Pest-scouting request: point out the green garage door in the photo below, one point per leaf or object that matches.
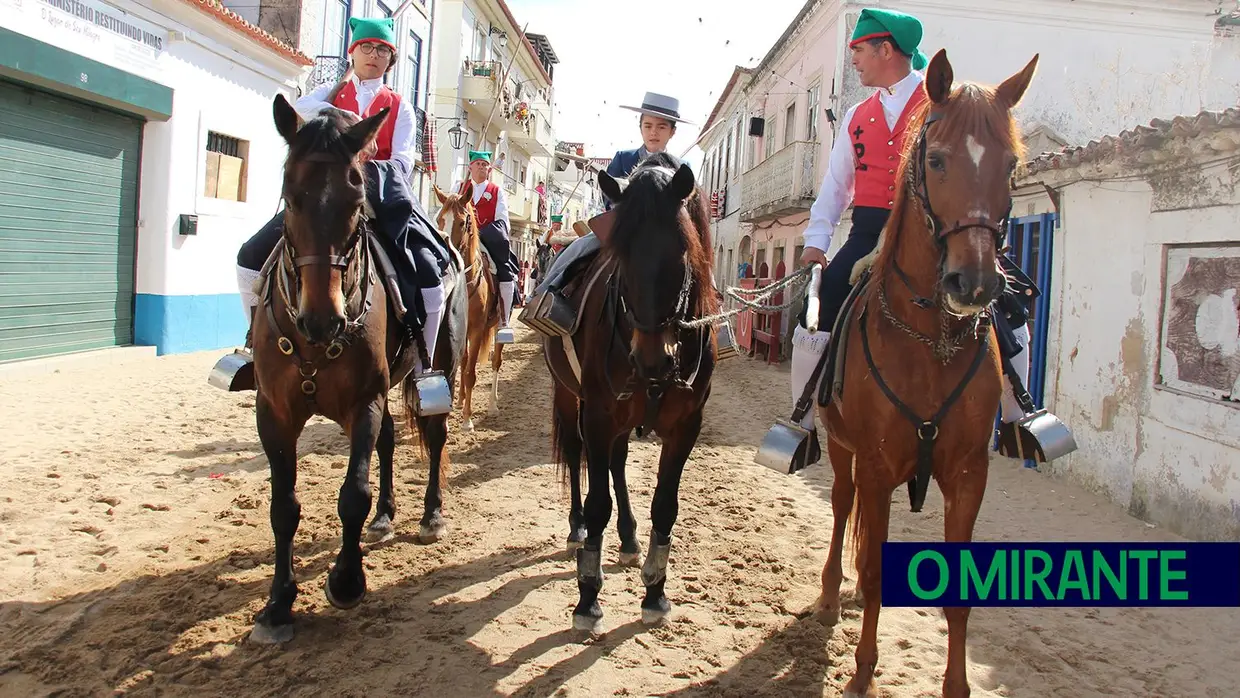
(68, 212)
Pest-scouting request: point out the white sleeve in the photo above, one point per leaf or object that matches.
(501, 207)
(836, 192)
(309, 106)
(404, 149)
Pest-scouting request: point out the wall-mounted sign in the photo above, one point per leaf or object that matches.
(90, 28)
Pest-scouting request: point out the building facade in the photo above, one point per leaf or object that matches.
(1142, 357)
(495, 83)
(136, 155)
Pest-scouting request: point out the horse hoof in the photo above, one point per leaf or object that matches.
(629, 559)
(870, 691)
(432, 533)
(573, 545)
(380, 530)
(345, 599)
(654, 616)
(468, 426)
(264, 634)
(587, 623)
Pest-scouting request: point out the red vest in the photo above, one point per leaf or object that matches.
(485, 208)
(877, 150)
(347, 99)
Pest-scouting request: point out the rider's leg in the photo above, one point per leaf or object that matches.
(1011, 410)
(250, 259)
(498, 247)
(580, 248)
(434, 300)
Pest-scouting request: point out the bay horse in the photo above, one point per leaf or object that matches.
(328, 342)
(923, 400)
(639, 365)
(484, 299)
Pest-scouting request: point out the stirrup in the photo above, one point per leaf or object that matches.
(234, 372)
(504, 335)
(549, 314)
(432, 395)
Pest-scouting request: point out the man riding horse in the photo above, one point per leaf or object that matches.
(491, 210)
(417, 252)
(862, 171)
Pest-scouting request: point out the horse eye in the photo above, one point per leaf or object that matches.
(355, 178)
(937, 162)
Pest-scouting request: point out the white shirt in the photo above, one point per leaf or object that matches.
(501, 203)
(836, 192)
(404, 149)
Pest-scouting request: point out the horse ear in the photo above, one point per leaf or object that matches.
(610, 187)
(288, 121)
(443, 199)
(939, 78)
(363, 132)
(1012, 89)
(682, 183)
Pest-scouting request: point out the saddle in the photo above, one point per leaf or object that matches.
(560, 352)
(555, 314)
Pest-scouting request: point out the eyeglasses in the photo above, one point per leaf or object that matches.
(378, 49)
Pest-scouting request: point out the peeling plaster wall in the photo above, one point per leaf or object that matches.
(1172, 459)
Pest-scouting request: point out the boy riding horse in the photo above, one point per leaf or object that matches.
(417, 252)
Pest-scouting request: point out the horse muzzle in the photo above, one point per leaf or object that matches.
(970, 291)
(320, 328)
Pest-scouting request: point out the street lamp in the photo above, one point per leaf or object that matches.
(502, 37)
(456, 136)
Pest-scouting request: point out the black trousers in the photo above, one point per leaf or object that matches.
(416, 266)
(496, 244)
(867, 225)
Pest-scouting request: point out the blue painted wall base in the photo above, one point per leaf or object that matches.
(178, 324)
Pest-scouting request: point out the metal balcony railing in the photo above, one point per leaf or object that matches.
(327, 70)
(780, 184)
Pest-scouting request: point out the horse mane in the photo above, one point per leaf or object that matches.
(324, 134)
(644, 212)
(972, 108)
(470, 245)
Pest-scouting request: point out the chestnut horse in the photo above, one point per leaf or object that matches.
(484, 299)
(922, 380)
(328, 342)
(643, 362)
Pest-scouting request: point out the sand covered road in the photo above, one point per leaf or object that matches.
(135, 549)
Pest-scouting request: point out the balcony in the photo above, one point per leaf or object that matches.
(520, 209)
(783, 183)
(327, 71)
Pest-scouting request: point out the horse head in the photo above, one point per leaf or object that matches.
(659, 243)
(324, 194)
(961, 172)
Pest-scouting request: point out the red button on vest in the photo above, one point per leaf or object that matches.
(873, 145)
(347, 99)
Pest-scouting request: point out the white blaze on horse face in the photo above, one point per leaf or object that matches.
(976, 150)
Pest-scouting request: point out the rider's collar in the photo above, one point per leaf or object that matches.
(905, 87)
(368, 84)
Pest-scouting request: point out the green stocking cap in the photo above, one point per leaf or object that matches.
(479, 155)
(380, 30)
(904, 29)
(557, 218)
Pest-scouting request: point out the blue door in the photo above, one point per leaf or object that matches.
(1032, 240)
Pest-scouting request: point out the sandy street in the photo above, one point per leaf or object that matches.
(135, 549)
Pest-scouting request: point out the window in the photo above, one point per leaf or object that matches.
(769, 138)
(480, 43)
(414, 58)
(226, 167)
(336, 28)
(811, 124)
(790, 122)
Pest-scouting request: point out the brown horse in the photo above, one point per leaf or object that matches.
(484, 299)
(327, 341)
(922, 401)
(641, 361)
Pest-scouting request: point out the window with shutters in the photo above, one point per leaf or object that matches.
(227, 158)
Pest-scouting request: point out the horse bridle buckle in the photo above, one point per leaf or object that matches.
(334, 349)
(285, 345)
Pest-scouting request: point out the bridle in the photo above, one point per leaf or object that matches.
(358, 280)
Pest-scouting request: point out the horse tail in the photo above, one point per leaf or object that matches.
(857, 541)
(560, 435)
(409, 390)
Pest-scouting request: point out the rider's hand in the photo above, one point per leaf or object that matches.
(812, 255)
